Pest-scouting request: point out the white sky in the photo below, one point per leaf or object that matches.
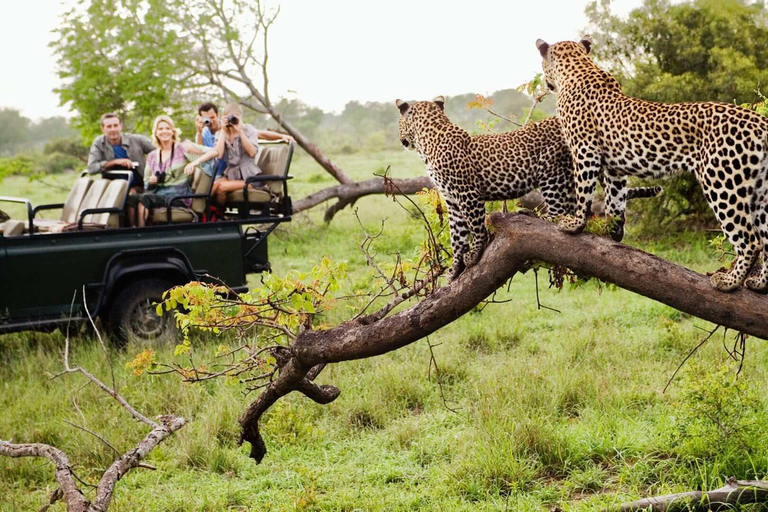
(333, 51)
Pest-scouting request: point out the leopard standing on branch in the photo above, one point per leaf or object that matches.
(726, 146)
(470, 170)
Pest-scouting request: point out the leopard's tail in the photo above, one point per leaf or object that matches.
(643, 192)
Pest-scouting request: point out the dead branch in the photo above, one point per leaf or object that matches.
(65, 476)
(735, 492)
(519, 239)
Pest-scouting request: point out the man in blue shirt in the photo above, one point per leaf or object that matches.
(207, 124)
(116, 150)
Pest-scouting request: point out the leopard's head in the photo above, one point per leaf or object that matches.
(414, 116)
(554, 56)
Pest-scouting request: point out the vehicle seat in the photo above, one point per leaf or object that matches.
(201, 185)
(113, 197)
(91, 200)
(13, 228)
(274, 160)
(69, 210)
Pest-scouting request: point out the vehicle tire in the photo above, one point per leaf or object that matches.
(132, 315)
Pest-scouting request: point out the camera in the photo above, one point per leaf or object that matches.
(207, 121)
(233, 120)
(160, 178)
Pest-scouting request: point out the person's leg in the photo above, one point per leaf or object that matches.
(143, 214)
(225, 187)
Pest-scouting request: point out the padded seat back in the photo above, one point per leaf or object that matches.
(201, 184)
(113, 197)
(273, 161)
(92, 197)
(75, 199)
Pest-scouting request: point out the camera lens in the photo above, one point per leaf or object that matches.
(207, 122)
(232, 120)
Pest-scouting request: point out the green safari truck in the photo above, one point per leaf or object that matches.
(52, 276)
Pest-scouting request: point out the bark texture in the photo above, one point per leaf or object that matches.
(735, 492)
(519, 240)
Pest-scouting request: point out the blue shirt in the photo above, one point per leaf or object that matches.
(208, 139)
(120, 151)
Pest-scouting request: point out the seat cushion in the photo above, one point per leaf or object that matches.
(160, 215)
(254, 196)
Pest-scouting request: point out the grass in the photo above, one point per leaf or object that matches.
(552, 409)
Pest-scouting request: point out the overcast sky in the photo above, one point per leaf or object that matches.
(332, 51)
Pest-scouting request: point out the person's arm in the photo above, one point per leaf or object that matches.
(192, 149)
(96, 160)
(220, 147)
(270, 135)
(199, 130)
(148, 173)
(250, 146)
(146, 144)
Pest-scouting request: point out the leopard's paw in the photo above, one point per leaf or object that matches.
(724, 281)
(570, 224)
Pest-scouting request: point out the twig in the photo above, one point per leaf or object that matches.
(94, 434)
(539, 305)
(438, 375)
(697, 347)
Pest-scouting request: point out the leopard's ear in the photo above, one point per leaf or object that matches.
(543, 47)
(403, 106)
(586, 42)
(440, 100)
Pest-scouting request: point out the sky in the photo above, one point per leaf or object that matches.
(330, 52)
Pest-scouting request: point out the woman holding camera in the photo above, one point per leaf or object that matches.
(238, 145)
(167, 172)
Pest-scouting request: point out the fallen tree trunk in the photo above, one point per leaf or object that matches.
(519, 240)
(735, 492)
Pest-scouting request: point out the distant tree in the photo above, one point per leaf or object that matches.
(14, 131)
(72, 147)
(49, 128)
(698, 50)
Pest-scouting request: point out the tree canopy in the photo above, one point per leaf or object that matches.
(698, 50)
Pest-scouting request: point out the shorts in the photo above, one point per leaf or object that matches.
(149, 200)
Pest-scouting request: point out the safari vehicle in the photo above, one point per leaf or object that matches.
(85, 264)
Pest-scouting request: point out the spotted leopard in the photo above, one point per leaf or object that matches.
(470, 170)
(726, 146)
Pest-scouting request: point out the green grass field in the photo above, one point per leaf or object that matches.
(552, 409)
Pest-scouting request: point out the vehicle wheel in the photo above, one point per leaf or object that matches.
(133, 315)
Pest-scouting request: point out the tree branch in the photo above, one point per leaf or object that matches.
(735, 492)
(519, 239)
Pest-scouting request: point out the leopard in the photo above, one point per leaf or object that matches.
(469, 170)
(611, 133)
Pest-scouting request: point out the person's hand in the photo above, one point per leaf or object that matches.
(125, 162)
(288, 138)
(199, 123)
(153, 180)
(189, 169)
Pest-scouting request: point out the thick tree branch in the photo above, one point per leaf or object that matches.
(518, 240)
(735, 492)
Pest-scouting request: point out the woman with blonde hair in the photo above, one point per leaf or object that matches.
(168, 170)
(238, 144)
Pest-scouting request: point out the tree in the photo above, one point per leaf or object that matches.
(124, 57)
(14, 131)
(698, 50)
